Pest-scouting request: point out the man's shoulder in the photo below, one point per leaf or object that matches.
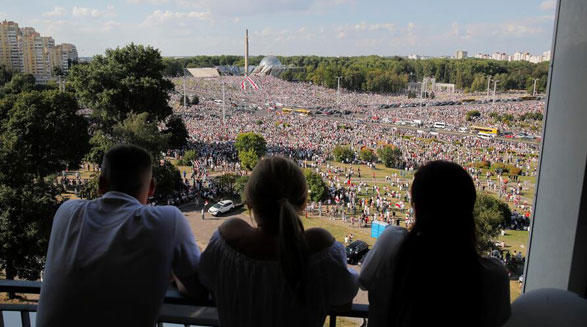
(66, 207)
(73, 203)
(166, 212)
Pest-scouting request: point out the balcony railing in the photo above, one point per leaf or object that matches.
(176, 308)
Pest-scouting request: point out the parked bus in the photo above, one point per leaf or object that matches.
(286, 110)
(303, 112)
(485, 130)
(439, 124)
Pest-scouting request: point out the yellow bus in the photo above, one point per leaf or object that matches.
(303, 112)
(286, 110)
(486, 130)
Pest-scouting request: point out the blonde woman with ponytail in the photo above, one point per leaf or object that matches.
(275, 273)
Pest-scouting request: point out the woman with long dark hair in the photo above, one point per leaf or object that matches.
(433, 274)
(277, 273)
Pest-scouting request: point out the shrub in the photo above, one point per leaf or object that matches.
(368, 155)
(500, 168)
(482, 165)
(343, 153)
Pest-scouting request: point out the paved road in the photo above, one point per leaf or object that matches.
(426, 129)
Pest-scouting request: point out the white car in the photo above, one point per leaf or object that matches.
(221, 207)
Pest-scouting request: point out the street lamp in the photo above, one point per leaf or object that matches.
(494, 88)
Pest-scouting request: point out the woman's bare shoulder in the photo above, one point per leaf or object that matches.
(318, 239)
(234, 228)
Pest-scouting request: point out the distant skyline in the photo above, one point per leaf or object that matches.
(293, 27)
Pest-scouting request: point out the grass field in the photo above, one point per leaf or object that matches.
(339, 229)
(515, 240)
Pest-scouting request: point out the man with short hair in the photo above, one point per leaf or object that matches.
(110, 259)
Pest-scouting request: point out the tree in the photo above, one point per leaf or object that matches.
(316, 185)
(90, 189)
(195, 100)
(100, 143)
(239, 186)
(250, 147)
(367, 155)
(122, 81)
(20, 82)
(43, 134)
(40, 134)
(188, 158)
(226, 182)
(5, 76)
(389, 74)
(390, 155)
(26, 216)
(490, 213)
(177, 133)
(57, 71)
(343, 153)
(138, 130)
(251, 141)
(287, 75)
(248, 159)
(167, 179)
(470, 115)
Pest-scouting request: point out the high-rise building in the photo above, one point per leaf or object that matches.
(9, 46)
(499, 56)
(66, 53)
(25, 50)
(461, 54)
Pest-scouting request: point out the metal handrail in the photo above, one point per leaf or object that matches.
(176, 308)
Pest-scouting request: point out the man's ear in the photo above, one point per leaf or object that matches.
(102, 185)
(151, 187)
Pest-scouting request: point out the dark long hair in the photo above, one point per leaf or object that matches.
(436, 276)
(277, 192)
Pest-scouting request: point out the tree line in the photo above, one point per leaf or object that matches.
(388, 74)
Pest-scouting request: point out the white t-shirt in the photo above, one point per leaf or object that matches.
(251, 292)
(109, 262)
(377, 276)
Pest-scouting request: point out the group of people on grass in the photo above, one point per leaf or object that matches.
(110, 260)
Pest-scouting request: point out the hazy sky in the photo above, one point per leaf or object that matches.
(293, 27)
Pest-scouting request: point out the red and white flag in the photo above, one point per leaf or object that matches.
(244, 85)
(253, 84)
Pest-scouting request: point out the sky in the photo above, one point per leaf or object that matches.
(293, 27)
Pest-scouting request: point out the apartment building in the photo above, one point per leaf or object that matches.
(9, 46)
(25, 50)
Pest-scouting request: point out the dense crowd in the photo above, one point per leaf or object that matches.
(310, 141)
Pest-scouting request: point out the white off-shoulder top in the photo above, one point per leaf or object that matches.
(251, 292)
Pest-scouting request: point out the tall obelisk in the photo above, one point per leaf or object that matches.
(246, 52)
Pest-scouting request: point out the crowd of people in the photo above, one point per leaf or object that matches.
(311, 140)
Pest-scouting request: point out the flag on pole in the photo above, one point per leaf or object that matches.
(253, 84)
(244, 85)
